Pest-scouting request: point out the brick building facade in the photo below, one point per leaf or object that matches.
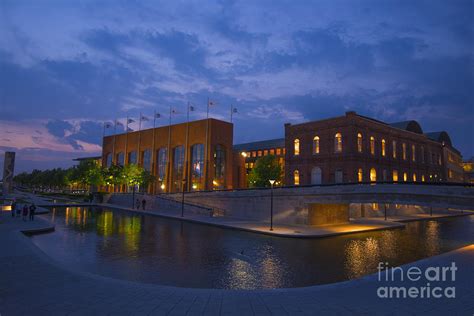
(354, 148)
(198, 151)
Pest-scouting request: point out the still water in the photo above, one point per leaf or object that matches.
(151, 249)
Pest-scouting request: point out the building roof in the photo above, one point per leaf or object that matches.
(264, 144)
(411, 126)
(440, 137)
(88, 158)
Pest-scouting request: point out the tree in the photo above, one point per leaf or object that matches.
(266, 168)
(136, 176)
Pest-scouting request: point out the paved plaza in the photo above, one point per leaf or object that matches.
(34, 284)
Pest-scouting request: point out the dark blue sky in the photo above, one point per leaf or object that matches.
(67, 66)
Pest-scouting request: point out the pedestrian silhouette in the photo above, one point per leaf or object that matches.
(32, 212)
(143, 204)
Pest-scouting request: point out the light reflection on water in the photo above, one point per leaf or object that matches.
(156, 250)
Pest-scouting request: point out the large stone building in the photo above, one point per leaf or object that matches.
(198, 151)
(354, 148)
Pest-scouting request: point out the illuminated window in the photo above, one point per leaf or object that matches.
(373, 175)
(338, 143)
(284, 151)
(405, 177)
(422, 178)
(395, 176)
(372, 145)
(359, 142)
(246, 165)
(259, 153)
(413, 152)
(147, 159)
(161, 163)
(197, 166)
(383, 147)
(272, 151)
(178, 167)
(254, 154)
(219, 167)
(414, 177)
(404, 151)
(265, 152)
(297, 147)
(248, 154)
(394, 149)
(360, 175)
(278, 151)
(439, 160)
(296, 177)
(316, 145)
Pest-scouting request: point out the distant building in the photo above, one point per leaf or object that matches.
(354, 148)
(96, 159)
(468, 167)
(251, 152)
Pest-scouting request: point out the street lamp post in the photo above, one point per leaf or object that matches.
(272, 182)
(182, 199)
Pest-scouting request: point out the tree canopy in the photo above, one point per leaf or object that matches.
(266, 168)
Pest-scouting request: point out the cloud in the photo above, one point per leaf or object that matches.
(69, 66)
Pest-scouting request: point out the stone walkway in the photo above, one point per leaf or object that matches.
(31, 283)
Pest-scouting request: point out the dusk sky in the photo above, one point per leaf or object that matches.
(68, 66)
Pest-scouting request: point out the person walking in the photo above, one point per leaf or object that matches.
(25, 212)
(143, 204)
(13, 208)
(32, 212)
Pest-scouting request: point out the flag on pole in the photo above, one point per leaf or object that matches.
(234, 110)
(130, 121)
(191, 108)
(144, 118)
(157, 115)
(107, 124)
(117, 122)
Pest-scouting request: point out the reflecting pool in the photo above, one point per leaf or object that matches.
(152, 249)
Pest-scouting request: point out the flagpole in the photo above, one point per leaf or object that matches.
(206, 178)
(153, 165)
(125, 158)
(231, 112)
(168, 174)
(139, 138)
(186, 152)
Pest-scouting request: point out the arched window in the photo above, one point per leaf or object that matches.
(405, 177)
(338, 176)
(383, 147)
(297, 147)
(197, 167)
(120, 159)
(132, 157)
(178, 167)
(359, 142)
(414, 177)
(404, 151)
(422, 178)
(373, 175)
(413, 152)
(394, 149)
(316, 175)
(296, 177)
(395, 176)
(316, 145)
(338, 143)
(147, 159)
(219, 167)
(108, 160)
(360, 174)
(372, 145)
